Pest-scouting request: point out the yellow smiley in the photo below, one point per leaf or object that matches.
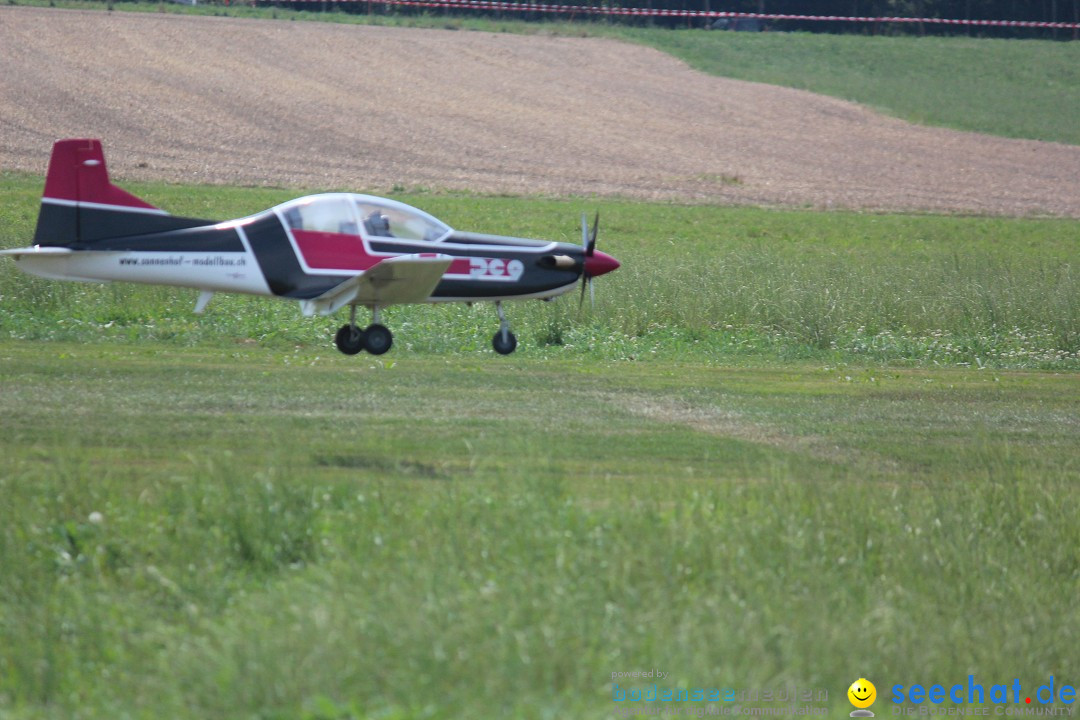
(862, 693)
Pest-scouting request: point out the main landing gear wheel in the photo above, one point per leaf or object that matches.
(504, 343)
(349, 339)
(377, 339)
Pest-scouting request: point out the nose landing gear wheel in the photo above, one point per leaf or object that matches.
(377, 339)
(504, 345)
(504, 341)
(349, 339)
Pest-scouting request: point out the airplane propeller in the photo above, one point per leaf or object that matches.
(596, 263)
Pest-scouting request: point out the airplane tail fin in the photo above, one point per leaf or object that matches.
(80, 204)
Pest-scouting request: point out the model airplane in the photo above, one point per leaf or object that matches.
(326, 251)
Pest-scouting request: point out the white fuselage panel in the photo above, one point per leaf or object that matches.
(217, 271)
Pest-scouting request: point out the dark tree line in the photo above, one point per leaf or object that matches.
(1040, 10)
(1050, 11)
(1030, 10)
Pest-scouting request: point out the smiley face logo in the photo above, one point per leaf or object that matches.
(862, 693)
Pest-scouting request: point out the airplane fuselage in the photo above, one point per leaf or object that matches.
(263, 255)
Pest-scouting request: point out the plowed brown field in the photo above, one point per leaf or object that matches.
(324, 106)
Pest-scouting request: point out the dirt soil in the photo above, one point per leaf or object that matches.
(324, 106)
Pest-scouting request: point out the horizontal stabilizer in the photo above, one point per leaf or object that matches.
(37, 250)
(55, 263)
(394, 281)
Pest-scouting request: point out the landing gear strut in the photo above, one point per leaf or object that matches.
(504, 341)
(376, 338)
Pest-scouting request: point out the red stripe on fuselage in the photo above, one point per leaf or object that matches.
(334, 251)
(341, 251)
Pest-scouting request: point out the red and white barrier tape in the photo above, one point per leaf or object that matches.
(503, 5)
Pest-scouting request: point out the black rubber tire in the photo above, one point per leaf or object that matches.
(349, 339)
(377, 339)
(504, 348)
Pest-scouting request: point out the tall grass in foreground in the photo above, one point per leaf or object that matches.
(696, 281)
(236, 591)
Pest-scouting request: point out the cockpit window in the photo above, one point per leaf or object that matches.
(322, 214)
(398, 221)
(361, 215)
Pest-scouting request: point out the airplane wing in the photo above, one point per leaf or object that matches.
(394, 281)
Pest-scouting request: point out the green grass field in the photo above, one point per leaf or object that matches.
(1013, 88)
(787, 448)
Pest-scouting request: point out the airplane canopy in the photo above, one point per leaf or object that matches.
(364, 215)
